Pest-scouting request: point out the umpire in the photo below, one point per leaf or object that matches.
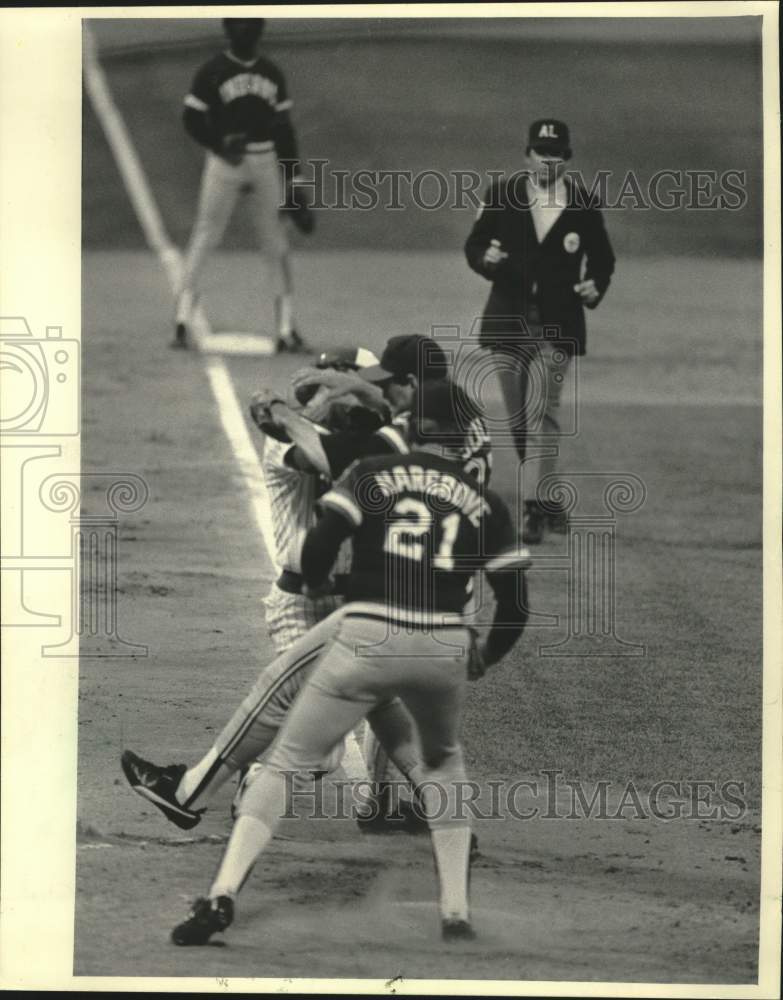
(540, 239)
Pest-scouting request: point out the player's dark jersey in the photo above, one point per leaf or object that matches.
(421, 528)
(240, 97)
(474, 454)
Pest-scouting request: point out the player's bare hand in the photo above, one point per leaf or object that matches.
(493, 255)
(233, 147)
(587, 292)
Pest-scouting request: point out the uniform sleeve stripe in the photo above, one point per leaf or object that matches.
(284, 105)
(193, 102)
(339, 501)
(395, 439)
(509, 560)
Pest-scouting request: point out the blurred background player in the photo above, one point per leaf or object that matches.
(414, 555)
(238, 110)
(541, 241)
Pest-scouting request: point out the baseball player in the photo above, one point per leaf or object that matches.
(391, 807)
(421, 527)
(542, 243)
(184, 793)
(238, 110)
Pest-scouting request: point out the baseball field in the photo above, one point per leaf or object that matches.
(669, 397)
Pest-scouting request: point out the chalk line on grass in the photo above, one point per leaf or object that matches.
(152, 225)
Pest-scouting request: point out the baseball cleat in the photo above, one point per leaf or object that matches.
(456, 929)
(158, 785)
(293, 343)
(208, 917)
(405, 819)
(533, 524)
(180, 340)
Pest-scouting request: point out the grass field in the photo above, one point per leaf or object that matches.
(669, 392)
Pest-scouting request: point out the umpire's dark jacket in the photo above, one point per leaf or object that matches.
(536, 281)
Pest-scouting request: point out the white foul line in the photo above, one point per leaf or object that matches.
(155, 233)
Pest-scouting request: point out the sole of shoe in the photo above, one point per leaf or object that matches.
(457, 930)
(194, 933)
(185, 819)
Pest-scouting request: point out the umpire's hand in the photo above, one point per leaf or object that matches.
(588, 293)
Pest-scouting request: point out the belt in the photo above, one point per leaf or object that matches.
(291, 583)
(259, 147)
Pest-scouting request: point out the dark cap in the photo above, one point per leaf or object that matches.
(548, 135)
(409, 354)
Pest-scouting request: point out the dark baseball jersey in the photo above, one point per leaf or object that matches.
(475, 454)
(239, 96)
(421, 528)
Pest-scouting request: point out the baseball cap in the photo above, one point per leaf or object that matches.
(549, 135)
(409, 354)
(347, 358)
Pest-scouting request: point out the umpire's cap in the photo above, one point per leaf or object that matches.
(256, 23)
(409, 354)
(549, 135)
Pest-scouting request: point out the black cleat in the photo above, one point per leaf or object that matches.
(159, 785)
(180, 341)
(405, 819)
(456, 929)
(533, 523)
(208, 917)
(294, 343)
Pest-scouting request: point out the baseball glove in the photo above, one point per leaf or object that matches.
(261, 414)
(297, 207)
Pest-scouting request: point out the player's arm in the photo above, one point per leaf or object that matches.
(600, 261)
(274, 417)
(484, 251)
(338, 384)
(196, 115)
(505, 571)
(340, 518)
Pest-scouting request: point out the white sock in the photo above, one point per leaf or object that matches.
(249, 838)
(451, 845)
(353, 760)
(284, 309)
(194, 776)
(184, 305)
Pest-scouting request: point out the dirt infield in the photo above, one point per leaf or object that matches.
(669, 396)
(572, 899)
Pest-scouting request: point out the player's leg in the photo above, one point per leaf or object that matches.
(266, 199)
(318, 721)
(220, 184)
(547, 375)
(435, 697)
(288, 618)
(182, 793)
